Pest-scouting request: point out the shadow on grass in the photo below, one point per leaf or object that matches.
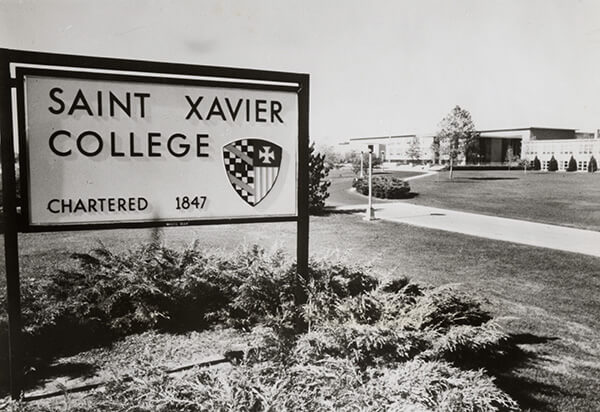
(508, 365)
(527, 392)
(333, 210)
(330, 210)
(60, 370)
(409, 195)
(506, 369)
(474, 179)
(492, 178)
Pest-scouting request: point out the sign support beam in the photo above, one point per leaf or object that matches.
(302, 238)
(11, 239)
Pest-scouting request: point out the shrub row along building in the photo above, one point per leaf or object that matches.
(493, 147)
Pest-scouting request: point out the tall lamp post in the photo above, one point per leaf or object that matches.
(370, 213)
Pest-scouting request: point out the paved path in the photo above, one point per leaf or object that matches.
(341, 193)
(425, 174)
(491, 227)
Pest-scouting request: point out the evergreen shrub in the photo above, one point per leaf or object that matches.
(592, 165)
(537, 165)
(361, 345)
(331, 385)
(318, 184)
(552, 165)
(572, 167)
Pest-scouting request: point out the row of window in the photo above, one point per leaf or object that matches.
(588, 148)
(564, 165)
(567, 152)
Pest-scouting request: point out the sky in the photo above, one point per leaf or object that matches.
(376, 68)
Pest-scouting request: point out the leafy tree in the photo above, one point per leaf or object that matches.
(318, 185)
(572, 167)
(414, 149)
(333, 158)
(592, 165)
(552, 164)
(509, 156)
(435, 148)
(537, 165)
(350, 156)
(457, 133)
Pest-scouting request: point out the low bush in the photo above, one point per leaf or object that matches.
(437, 386)
(467, 345)
(332, 385)
(365, 345)
(442, 308)
(106, 296)
(327, 285)
(348, 343)
(384, 187)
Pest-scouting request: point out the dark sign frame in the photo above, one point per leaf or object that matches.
(25, 224)
(16, 219)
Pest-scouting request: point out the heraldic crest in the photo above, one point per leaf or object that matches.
(252, 167)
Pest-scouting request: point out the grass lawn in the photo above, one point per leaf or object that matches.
(568, 199)
(547, 299)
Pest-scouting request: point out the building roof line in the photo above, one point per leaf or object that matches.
(518, 129)
(383, 137)
(524, 128)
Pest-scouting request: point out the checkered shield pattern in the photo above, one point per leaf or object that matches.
(252, 167)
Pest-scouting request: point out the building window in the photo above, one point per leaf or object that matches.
(565, 164)
(544, 165)
(582, 165)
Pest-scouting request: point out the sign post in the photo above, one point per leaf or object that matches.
(11, 240)
(110, 143)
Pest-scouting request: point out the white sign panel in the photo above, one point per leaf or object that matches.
(102, 151)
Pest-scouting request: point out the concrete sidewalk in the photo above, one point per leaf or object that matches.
(511, 230)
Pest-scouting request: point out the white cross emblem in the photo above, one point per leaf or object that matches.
(266, 155)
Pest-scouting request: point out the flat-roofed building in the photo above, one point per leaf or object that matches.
(581, 148)
(493, 147)
(397, 148)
